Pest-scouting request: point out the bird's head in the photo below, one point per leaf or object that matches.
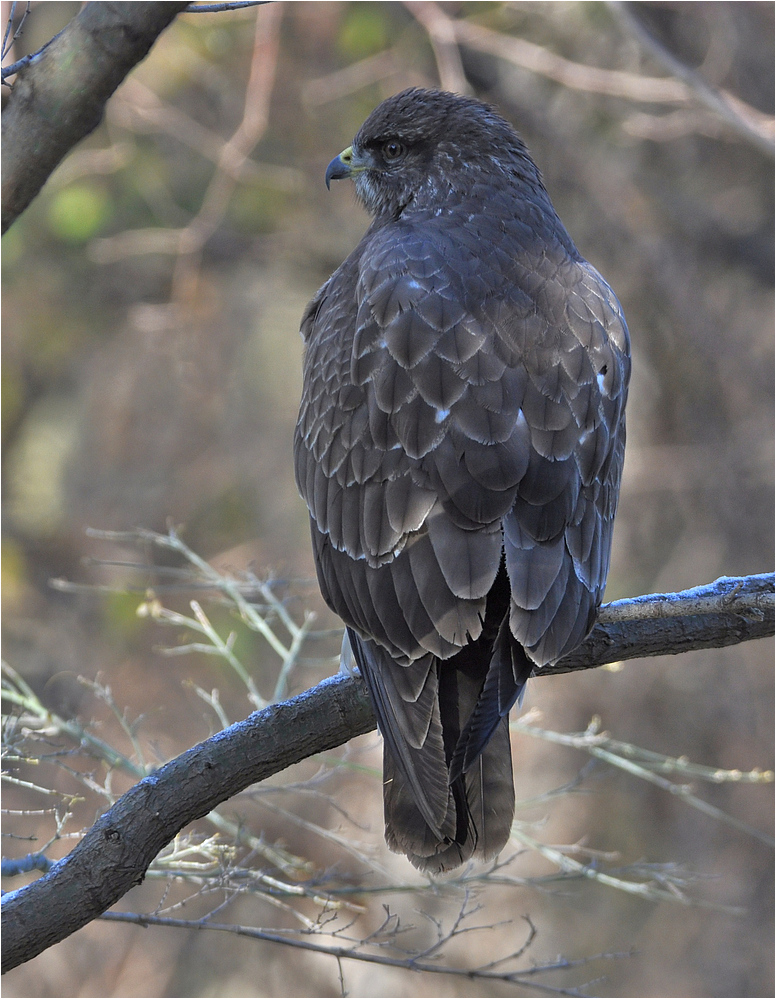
(423, 147)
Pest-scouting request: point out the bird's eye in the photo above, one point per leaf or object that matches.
(392, 150)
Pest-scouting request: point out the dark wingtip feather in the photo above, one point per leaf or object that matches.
(507, 675)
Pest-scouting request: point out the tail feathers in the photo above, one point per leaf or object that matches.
(490, 794)
(407, 831)
(447, 765)
(484, 801)
(411, 727)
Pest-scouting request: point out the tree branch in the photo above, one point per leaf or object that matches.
(59, 96)
(731, 610)
(115, 853)
(747, 121)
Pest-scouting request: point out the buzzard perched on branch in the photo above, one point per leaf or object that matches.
(459, 447)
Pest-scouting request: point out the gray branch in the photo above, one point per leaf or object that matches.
(59, 96)
(115, 853)
(730, 610)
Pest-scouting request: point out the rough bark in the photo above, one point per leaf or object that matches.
(730, 610)
(59, 97)
(115, 853)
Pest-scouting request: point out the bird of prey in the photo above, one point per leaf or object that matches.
(459, 446)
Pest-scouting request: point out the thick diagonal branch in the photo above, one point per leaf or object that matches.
(115, 853)
(59, 97)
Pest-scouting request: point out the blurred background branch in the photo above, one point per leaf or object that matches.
(748, 121)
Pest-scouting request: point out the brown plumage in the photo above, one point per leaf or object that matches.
(459, 447)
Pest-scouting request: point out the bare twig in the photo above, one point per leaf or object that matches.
(232, 166)
(683, 87)
(16, 691)
(528, 977)
(13, 68)
(234, 152)
(644, 889)
(645, 765)
(8, 45)
(8, 26)
(23, 865)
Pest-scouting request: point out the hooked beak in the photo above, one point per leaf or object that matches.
(342, 166)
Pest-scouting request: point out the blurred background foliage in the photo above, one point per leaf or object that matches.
(151, 374)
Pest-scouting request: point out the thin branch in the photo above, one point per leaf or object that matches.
(575, 75)
(234, 153)
(642, 889)
(643, 764)
(7, 46)
(13, 68)
(17, 692)
(219, 8)
(526, 977)
(231, 157)
(683, 87)
(8, 27)
(31, 862)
